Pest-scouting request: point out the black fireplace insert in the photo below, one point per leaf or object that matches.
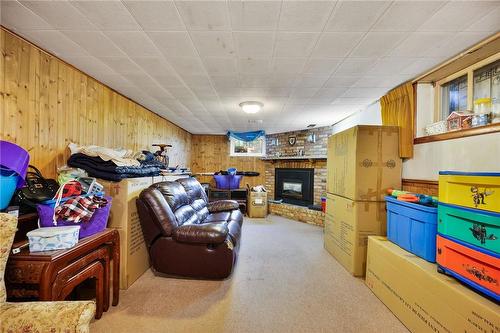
(294, 186)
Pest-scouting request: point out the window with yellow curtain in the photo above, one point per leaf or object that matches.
(398, 108)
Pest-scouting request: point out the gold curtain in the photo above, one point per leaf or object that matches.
(398, 109)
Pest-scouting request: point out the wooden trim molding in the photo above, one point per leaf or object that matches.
(487, 129)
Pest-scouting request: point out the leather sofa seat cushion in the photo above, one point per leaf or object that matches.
(207, 233)
(218, 217)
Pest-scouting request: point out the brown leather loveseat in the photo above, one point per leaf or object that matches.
(185, 234)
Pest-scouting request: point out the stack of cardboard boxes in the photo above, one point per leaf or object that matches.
(363, 162)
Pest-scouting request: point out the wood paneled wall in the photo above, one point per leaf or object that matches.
(210, 153)
(46, 104)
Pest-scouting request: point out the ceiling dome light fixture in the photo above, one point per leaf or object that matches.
(251, 106)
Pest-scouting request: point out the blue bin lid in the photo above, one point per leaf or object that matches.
(412, 205)
(463, 173)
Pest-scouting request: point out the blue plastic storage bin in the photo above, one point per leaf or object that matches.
(8, 184)
(413, 227)
(227, 182)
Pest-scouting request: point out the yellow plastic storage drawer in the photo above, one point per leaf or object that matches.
(479, 190)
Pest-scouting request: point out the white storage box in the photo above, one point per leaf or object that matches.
(53, 238)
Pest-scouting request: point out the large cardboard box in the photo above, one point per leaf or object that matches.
(423, 299)
(257, 204)
(363, 162)
(134, 257)
(348, 224)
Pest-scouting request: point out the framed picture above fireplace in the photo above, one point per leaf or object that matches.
(294, 186)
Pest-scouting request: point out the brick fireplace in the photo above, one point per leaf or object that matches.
(278, 147)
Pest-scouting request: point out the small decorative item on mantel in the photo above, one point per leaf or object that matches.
(292, 140)
(458, 121)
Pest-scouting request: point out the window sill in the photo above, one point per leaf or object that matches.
(491, 128)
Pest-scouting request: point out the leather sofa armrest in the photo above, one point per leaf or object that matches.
(207, 233)
(222, 206)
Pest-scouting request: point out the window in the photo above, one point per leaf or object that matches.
(256, 147)
(487, 89)
(454, 96)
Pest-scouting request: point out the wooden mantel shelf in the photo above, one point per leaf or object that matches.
(288, 158)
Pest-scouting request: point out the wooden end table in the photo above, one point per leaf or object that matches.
(52, 275)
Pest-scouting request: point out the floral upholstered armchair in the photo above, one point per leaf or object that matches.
(37, 316)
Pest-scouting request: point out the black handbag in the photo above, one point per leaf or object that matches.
(37, 189)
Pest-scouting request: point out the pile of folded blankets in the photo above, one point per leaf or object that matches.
(114, 164)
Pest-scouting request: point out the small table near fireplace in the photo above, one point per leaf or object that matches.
(239, 195)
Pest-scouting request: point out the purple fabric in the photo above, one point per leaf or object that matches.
(227, 182)
(97, 223)
(14, 158)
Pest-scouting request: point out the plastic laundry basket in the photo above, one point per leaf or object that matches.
(97, 223)
(227, 182)
(8, 184)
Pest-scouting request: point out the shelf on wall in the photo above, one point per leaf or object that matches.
(294, 158)
(491, 128)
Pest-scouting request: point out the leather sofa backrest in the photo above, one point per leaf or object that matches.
(196, 196)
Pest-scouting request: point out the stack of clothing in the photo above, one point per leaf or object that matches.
(112, 164)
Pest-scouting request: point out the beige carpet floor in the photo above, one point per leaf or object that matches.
(284, 282)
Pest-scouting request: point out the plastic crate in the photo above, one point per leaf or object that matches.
(413, 227)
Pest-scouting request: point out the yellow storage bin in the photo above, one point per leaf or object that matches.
(479, 190)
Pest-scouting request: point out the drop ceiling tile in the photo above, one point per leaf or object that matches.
(355, 66)
(420, 65)
(95, 42)
(18, 17)
(341, 81)
(321, 66)
(197, 81)
(90, 65)
(288, 65)
(107, 15)
(304, 15)
(376, 44)
(254, 81)
(121, 65)
(336, 44)
(353, 101)
(213, 43)
(282, 80)
(187, 66)
(173, 44)
(224, 92)
(460, 42)
(292, 44)
(116, 81)
(303, 92)
(356, 15)
(365, 92)
(407, 15)
(327, 95)
(278, 92)
(218, 65)
(140, 80)
(133, 43)
(60, 14)
(254, 15)
(381, 81)
(390, 65)
(154, 65)
(490, 22)
(418, 43)
(225, 81)
(54, 42)
(155, 15)
(456, 15)
(311, 81)
(168, 81)
(254, 66)
(204, 15)
(254, 44)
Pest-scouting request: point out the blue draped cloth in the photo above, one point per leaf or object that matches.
(246, 136)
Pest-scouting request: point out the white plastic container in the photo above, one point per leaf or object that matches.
(53, 238)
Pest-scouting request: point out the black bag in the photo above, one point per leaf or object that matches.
(37, 188)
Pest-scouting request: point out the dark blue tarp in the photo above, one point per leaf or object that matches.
(246, 136)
